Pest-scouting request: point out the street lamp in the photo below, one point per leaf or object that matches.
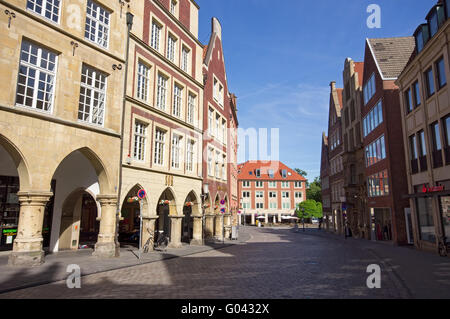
(242, 209)
(204, 196)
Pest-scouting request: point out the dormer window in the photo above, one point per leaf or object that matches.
(271, 173)
(284, 173)
(447, 6)
(258, 173)
(436, 19)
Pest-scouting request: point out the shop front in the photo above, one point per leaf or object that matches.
(432, 214)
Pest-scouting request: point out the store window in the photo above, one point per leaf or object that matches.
(445, 211)
(427, 231)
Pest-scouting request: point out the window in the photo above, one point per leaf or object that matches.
(173, 7)
(224, 168)
(210, 159)
(156, 36)
(259, 184)
(185, 59)
(425, 218)
(46, 8)
(272, 194)
(257, 173)
(419, 40)
(285, 184)
(416, 89)
(191, 108)
(378, 184)
(140, 136)
(143, 81)
(246, 184)
(441, 78)
(299, 195)
(216, 90)
(97, 24)
(286, 205)
(284, 173)
(224, 131)
(429, 81)
(190, 155)
(436, 136)
(220, 94)
(246, 205)
(408, 101)
(217, 170)
(177, 100)
(36, 81)
(162, 92)
(259, 194)
(271, 173)
(433, 22)
(246, 194)
(373, 119)
(298, 184)
(446, 123)
(273, 184)
(171, 43)
(176, 150)
(369, 89)
(217, 132)
(160, 138)
(413, 147)
(273, 205)
(285, 194)
(260, 205)
(422, 144)
(375, 152)
(92, 96)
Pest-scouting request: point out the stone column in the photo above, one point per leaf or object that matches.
(105, 246)
(274, 219)
(148, 224)
(27, 247)
(253, 219)
(197, 236)
(279, 218)
(175, 231)
(266, 218)
(219, 227)
(209, 226)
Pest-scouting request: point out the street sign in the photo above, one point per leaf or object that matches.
(141, 194)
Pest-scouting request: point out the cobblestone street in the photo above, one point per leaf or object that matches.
(274, 263)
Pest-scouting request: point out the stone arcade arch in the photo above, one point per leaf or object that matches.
(209, 218)
(218, 227)
(192, 224)
(169, 221)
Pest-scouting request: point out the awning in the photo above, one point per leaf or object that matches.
(431, 194)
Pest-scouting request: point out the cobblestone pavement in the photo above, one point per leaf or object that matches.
(273, 264)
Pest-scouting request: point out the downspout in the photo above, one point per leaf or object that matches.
(119, 194)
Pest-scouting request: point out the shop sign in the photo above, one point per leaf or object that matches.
(10, 232)
(434, 189)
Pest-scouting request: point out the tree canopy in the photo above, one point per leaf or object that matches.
(314, 190)
(309, 209)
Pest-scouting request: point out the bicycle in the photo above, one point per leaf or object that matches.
(162, 242)
(150, 241)
(443, 247)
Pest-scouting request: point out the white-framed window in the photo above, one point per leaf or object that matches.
(191, 108)
(161, 97)
(176, 151)
(286, 205)
(259, 194)
(273, 184)
(285, 184)
(92, 96)
(260, 205)
(160, 141)
(185, 59)
(155, 41)
(273, 205)
(210, 121)
(246, 184)
(246, 205)
(224, 131)
(272, 194)
(298, 185)
(210, 159)
(220, 94)
(224, 168)
(140, 141)
(190, 155)
(217, 133)
(216, 89)
(97, 24)
(171, 48)
(246, 194)
(217, 170)
(284, 173)
(298, 195)
(177, 100)
(143, 81)
(259, 184)
(49, 9)
(285, 194)
(36, 81)
(173, 7)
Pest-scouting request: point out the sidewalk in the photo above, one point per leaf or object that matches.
(419, 274)
(55, 266)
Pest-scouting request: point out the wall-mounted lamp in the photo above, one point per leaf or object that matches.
(74, 46)
(129, 159)
(117, 67)
(11, 15)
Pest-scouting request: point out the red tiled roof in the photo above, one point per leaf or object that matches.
(339, 92)
(246, 171)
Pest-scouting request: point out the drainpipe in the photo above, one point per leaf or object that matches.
(119, 194)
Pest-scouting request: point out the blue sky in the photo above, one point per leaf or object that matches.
(281, 56)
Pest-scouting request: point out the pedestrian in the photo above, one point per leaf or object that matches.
(320, 223)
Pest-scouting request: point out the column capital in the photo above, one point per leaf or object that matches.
(196, 216)
(107, 199)
(176, 216)
(34, 198)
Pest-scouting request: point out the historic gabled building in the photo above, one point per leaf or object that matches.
(325, 182)
(353, 157)
(425, 115)
(269, 191)
(60, 108)
(336, 168)
(385, 170)
(220, 138)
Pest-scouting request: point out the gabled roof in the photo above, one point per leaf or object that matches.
(339, 93)
(246, 171)
(391, 55)
(359, 68)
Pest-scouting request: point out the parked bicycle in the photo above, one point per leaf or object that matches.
(150, 241)
(162, 242)
(443, 247)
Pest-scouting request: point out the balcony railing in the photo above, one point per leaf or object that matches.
(415, 166)
(437, 159)
(423, 163)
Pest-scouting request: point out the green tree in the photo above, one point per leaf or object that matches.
(309, 209)
(301, 172)
(314, 190)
